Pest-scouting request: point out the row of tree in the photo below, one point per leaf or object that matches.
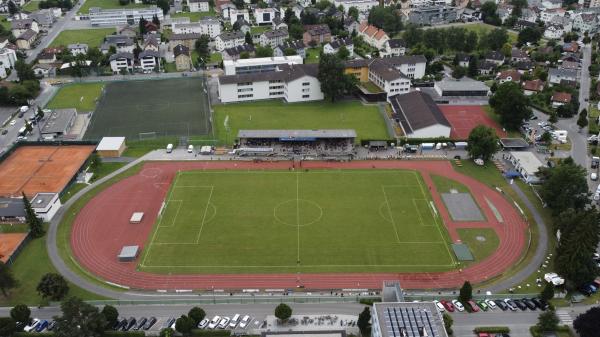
(454, 39)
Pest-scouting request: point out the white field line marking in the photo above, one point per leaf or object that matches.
(390, 212)
(419, 213)
(435, 219)
(298, 214)
(212, 188)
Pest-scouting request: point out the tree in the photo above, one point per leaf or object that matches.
(7, 281)
(156, 21)
(79, 319)
(529, 34)
(488, 13)
(466, 292)
(35, 224)
(142, 26)
(164, 5)
(547, 321)
(201, 46)
(459, 72)
(343, 53)
(289, 51)
(283, 312)
(448, 321)
(196, 314)
(565, 186)
(363, 322)
(482, 142)
(21, 313)
(264, 51)
(472, 70)
(553, 118)
(184, 325)
(546, 137)
(24, 71)
(334, 82)
(511, 104)
(167, 332)
(582, 120)
(124, 2)
(496, 38)
(8, 326)
(248, 38)
(588, 323)
(548, 292)
(12, 8)
(578, 241)
(40, 112)
(53, 286)
(353, 13)
(28, 127)
(111, 314)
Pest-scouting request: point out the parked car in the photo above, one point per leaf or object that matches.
(244, 322)
(473, 306)
(447, 305)
(43, 324)
(51, 325)
(121, 323)
(203, 323)
(214, 322)
(140, 323)
(439, 306)
(520, 305)
(224, 322)
(4, 132)
(491, 304)
(130, 323)
(483, 305)
(150, 323)
(511, 304)
(32, 326)
(530, 305)
(459, 306)
(170, 321)
(234, 321)
(13, 122)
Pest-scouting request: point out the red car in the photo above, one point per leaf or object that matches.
(447, 305)
(473, 305)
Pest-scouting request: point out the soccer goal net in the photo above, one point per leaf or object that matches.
(147, 135)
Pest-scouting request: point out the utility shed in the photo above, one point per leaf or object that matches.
(111, 147)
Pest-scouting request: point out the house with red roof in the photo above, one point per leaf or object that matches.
(372, 35)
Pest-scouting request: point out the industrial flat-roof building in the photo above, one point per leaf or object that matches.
(257, 65)
(407, 319)
(12, 210)
(45, 205)
(58, 123)
(527, 164)
(418, 116)
(125, 16)
(465, 87)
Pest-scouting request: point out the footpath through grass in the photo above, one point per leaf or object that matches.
(92, 37)
(275, 114)
(29, 267)
(81, 96)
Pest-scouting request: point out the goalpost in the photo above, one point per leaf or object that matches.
(147, 135)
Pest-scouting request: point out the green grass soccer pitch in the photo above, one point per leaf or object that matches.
(285, 221)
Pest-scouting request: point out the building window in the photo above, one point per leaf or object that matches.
(244, 83)
(245, 96)
(305, 96)
(306, 90)
(304, 84)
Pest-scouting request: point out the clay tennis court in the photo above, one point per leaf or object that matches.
(34, 169)
(464, 118)
(9, 242)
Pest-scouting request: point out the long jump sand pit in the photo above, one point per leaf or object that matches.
(34, 169)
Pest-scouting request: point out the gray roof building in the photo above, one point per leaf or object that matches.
(12, 208)
(407, 319)
(59, 122)
(285, 72)
(415, 111)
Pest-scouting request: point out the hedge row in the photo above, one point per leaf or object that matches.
(369, 301)
(536, 333)
(492, 329)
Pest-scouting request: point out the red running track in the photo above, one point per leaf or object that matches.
(102, 228)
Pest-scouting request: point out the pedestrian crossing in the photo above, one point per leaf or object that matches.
(564, 317)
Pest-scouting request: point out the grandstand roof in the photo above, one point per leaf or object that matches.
(334, 133)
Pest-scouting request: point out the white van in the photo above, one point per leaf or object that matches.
(23, 109)
(191, 149)
(234, 321)
(169, 148)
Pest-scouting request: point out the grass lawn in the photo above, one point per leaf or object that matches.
(259, 29)
(312, 54)
(71, 191)
(29, 267)
(106, 168)
(170, 67)
(70, 96)
(196, 16)
(371, 87)
(480, 249)
(107, 4)
(92, 37)
(275, 114)
(138, 148)
(444, 185)
(216, 57)
(496, 118)
(484, 28)
(281, 221)
(5, 23)
(31, 6)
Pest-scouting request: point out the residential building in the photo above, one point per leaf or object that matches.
(265, 16)
(122, 16)
(206, 26)
(129, 31)
(570, 47)
(8, 57)
(78, 49)
(372, 35)
(551, 4)
(586, 22)
(316, 34)
(532, 87)
(418, 116)
(518, 55)
(351, 25)
(273, 38)
(495, 57)
(363, 6)
(570, 65)
(554, 31)
(462, 60)
(464, 87)
(560, 98)
(237, 14)
(555, 75)
(393, 47)
(151, 42)
(411, 66)
(278, 23)
(120, 62)
(47, 56)
(44, 70)
(188, 40)
(434, 15)
(229, 40)
(25, 40)
(407, 319)
(44, 17)
(235, 53)
(19, 27)
(334, 46)
(258, 65)
(198, 6)
(486, 67)
(226, 9)
(291, 82)
(149, 60)
(509, 76)
(548, 14)
(183, 59)
(297, 46)
(388, 78)
(122, 44)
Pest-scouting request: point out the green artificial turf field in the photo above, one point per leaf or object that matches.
(282, 221)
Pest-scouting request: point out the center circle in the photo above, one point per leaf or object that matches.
(298, 212)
